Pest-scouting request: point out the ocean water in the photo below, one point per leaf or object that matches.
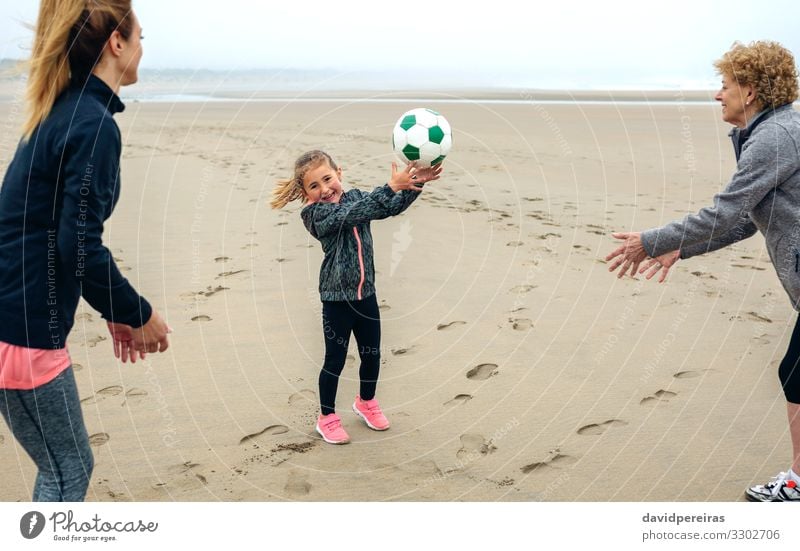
(292, 85)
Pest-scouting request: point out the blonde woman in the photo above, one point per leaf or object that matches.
(60, 187)
(759, 85)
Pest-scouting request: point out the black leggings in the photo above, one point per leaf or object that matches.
(789, 371)
(362, 318)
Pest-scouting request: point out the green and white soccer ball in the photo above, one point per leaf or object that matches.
(422, 135)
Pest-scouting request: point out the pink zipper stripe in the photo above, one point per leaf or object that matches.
(360, 262)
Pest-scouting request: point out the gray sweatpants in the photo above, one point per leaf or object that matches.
(48, 423)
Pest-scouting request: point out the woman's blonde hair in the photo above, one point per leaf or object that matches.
(69, 38)
(765, 65)
(291, 189)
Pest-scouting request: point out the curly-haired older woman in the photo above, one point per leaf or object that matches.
(759, 85)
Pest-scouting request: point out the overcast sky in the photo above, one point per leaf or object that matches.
(558, 43)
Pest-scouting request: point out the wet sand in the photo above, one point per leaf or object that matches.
(514, 366)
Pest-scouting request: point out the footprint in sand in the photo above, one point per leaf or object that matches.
(270, 430)
(555, 459)
(599, 428)
(533, 467)
(658, 397)
(134, 396)
(297, 484)
(91, 342)
(249, 246)
(282, 224)
(758, 268)
(758, 317)
(482, 372)
(303, 397)
(459, 399)
(384, 307)
(77, 367)
(472, 444)
(182, 468)
(515, 243)
(221, 259)
(761, 339)
(520, 324)
(703, 274)
(102, 394)
(519, 289)
(209, 291)
(402, 350)
(201, 317)
(99, 439)
(691, 374)
(85, 316)
(186, 468)
(443, 326)
(229, 274)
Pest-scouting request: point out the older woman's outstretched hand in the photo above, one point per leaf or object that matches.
(662, 263)
(628, 255)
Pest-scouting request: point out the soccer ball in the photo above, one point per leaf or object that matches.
(423, 136)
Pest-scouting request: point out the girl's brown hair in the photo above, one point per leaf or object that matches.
(69, 38)
(291, 189)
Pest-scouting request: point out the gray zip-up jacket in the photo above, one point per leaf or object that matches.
(763, 195)
(348, 270)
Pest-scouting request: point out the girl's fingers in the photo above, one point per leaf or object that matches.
(394, 169)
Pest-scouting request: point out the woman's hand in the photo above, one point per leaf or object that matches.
(663, 263)
(122, 336)
(152, 336)
(628, 255)
(413, 178)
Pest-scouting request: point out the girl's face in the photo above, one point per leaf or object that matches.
(323, 184)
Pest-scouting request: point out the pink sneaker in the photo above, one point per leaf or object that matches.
(330, 428)
(371, 413)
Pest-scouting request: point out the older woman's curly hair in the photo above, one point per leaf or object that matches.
(767, 66)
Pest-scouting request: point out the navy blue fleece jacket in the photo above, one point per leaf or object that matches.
(59, 189)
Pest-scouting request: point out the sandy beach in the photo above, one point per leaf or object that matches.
(514, 366)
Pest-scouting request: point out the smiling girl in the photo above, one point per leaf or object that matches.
(341, 222)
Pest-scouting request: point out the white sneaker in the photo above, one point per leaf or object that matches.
(781, 488)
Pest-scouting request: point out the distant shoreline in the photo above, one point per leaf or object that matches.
(288, 84)
(13, 90)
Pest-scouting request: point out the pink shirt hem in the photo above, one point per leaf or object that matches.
(24, 368)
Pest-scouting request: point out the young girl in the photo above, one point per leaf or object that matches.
(340, 221)
(58, 190)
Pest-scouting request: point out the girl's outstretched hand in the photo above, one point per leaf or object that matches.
(413, 178)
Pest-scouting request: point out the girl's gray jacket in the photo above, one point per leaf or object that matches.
(763, 195)
(348, 270)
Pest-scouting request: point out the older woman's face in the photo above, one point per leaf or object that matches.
(736, 101)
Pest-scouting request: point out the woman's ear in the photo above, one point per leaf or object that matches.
(116, 44)
(751, 95)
